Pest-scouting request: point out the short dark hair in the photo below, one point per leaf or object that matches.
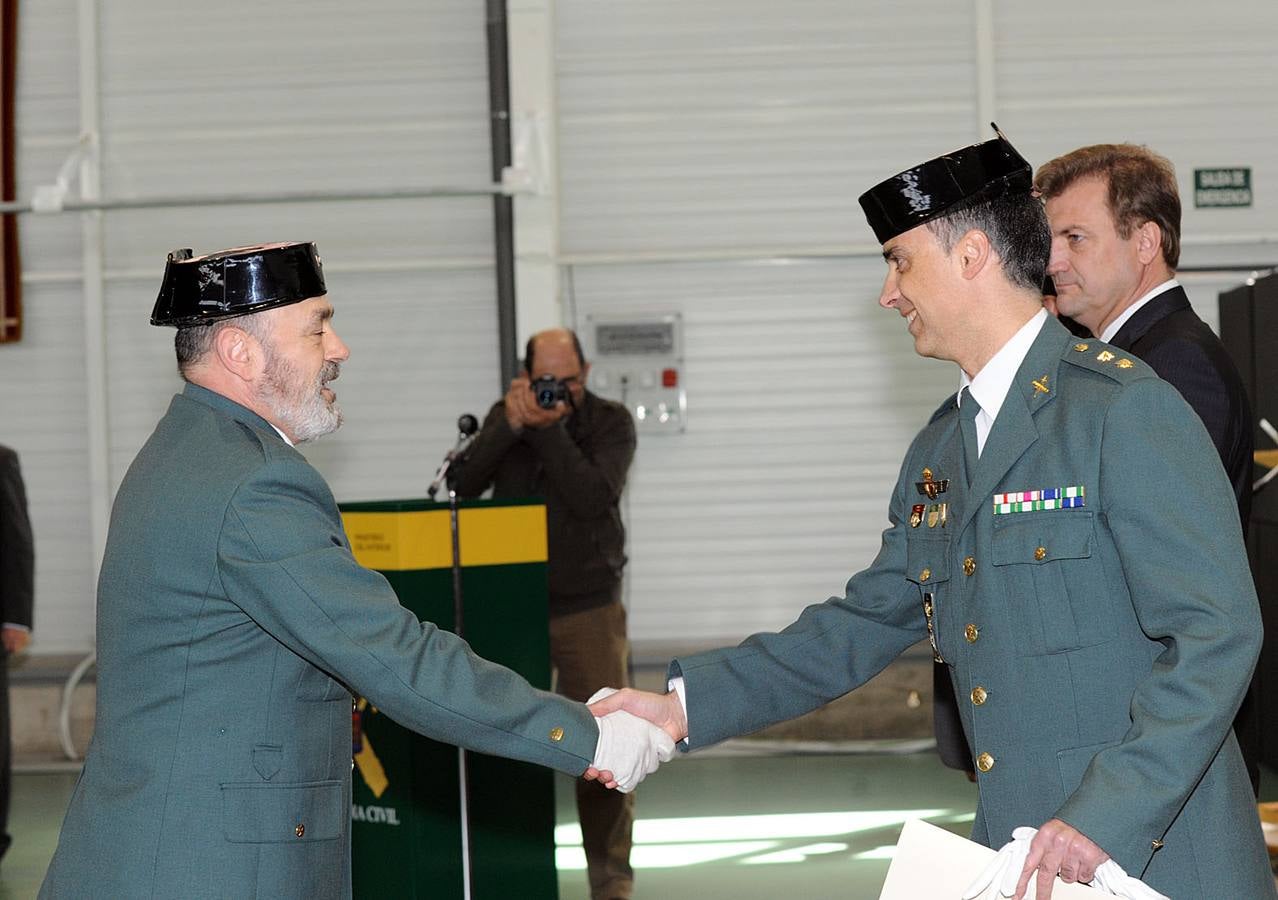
(1017, 228)
(528, 350)
(1142, 188)
(193, 342)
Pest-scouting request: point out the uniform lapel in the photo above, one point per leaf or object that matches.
(1014, 430)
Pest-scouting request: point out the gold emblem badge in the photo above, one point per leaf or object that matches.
(916, 515)
(929, 488)
(1040, 386)
(1124, 364)
(1082, 348)
(1104, 356)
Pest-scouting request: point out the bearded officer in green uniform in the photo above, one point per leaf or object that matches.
(1063, 533)
(233, 624)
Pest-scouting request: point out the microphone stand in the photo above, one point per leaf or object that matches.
(467, 425)
(463, 785)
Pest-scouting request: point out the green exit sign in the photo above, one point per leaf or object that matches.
(1222, 187)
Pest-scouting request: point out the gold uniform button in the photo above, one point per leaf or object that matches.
(984, 762)
(969, 566)
(1155, 845)
(300, 830)
(979, 695)
(971, 632)
(1040, 554)
(556, 734)
(925, 575)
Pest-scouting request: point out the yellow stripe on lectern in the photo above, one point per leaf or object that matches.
(490, 536)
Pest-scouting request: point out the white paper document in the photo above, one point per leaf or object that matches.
(933, 863)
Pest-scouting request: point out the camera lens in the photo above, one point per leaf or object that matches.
(548, 391)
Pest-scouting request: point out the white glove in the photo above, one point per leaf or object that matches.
(1004, 870)
(629, 747)
(1110, 877)
(1006, 867)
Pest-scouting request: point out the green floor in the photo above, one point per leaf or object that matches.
(803, 827)
(806, 827)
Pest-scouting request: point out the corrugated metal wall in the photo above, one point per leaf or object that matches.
(290, 96)
(710, 158)
(739, 134)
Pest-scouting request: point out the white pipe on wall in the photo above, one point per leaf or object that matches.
(91, 236)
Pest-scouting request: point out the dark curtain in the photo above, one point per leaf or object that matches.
(10, 272)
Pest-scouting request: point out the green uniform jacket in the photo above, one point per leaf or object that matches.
(233, 624)
(1099, 652)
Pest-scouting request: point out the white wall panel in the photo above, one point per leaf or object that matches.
(721, 129)
(42, 406)
(288, 97)
(1195, 82)
(708, 129)
(729, 124)
(802, 397)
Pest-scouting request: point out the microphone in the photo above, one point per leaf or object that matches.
(467, 425)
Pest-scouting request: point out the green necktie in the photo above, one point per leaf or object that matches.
(968, 410)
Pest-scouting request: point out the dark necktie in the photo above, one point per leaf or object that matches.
(968, 409)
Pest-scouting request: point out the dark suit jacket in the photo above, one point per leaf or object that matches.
(579, 465)
(1168, 335)
(17, 556)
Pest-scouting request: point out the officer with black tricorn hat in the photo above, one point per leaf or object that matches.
(234, 623)
(1064, 536)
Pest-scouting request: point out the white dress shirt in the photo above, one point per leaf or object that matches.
(1112, 328)
(991, 384)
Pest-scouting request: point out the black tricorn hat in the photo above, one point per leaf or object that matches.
(982, 171)
(202, 289)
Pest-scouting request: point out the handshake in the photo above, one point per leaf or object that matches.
(637, 732)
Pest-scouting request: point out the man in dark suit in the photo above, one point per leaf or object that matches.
(1115, 217)
(17, 590)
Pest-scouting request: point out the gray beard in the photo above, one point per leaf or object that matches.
(298, 406)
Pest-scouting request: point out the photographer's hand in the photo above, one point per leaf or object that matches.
(517, 401)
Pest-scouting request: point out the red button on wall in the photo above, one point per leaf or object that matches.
(669, 378)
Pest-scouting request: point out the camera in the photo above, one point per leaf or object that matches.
(549, 390)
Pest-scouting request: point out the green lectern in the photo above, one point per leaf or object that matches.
(410, 825)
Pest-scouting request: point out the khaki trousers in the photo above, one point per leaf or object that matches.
(589, 650)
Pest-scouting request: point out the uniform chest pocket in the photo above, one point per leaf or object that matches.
(1049, 573)
(927, 564)
(927, 561)
(314, 684)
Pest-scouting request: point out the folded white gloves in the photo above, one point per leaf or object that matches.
(1111, 877)
(1004, 871)
(1005, 868)
(629, 747)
